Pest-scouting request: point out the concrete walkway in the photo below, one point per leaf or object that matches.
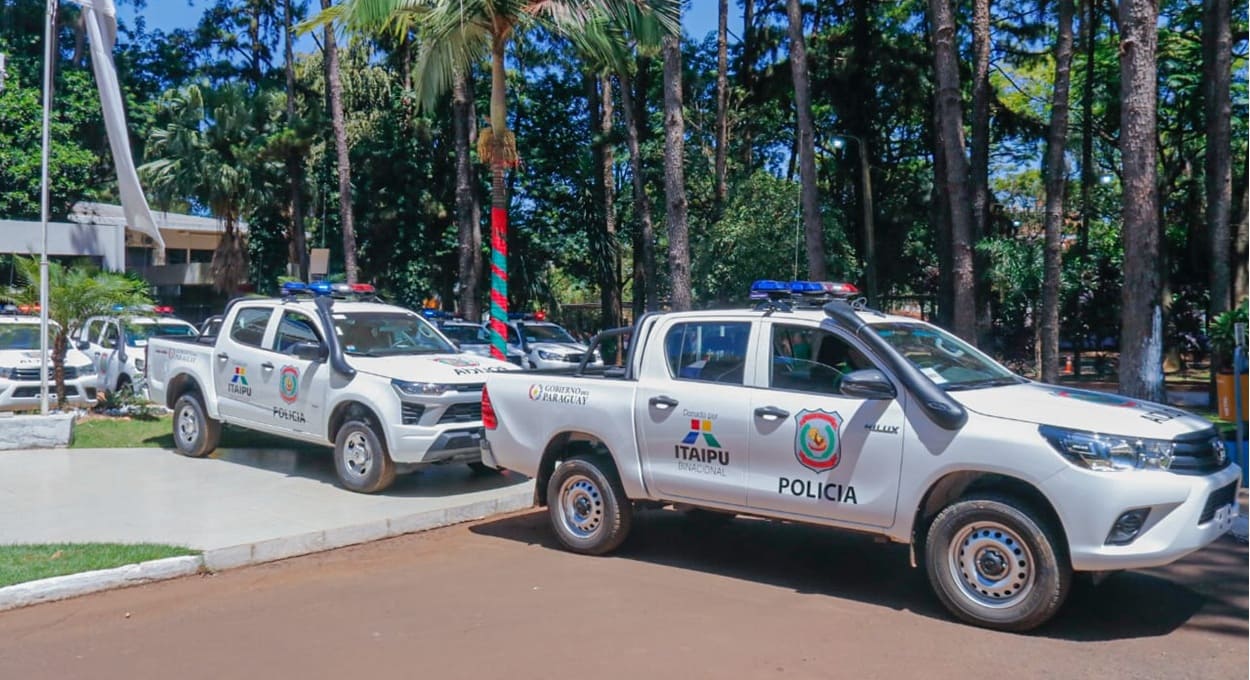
(233, 498)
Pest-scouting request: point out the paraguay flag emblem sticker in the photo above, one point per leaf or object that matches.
(817, 439)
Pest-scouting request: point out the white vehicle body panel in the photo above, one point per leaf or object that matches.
(20, 363)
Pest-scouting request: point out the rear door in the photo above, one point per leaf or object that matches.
(815, 452)
(236, 362)
(693, 438)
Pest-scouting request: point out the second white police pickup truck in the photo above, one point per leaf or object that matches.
(849, 418)
(377, 382)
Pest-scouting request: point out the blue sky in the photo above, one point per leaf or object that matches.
(698, 20)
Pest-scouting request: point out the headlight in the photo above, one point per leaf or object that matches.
(550, 356)
(7, 371)
(1107, 451)
(419, 389)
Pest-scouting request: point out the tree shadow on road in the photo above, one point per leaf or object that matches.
(1207, 591)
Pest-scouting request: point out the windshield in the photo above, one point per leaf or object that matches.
(23, 336)
(948, 361)
(466, 335)
(381, 334)
(547, 332)
(137, 334)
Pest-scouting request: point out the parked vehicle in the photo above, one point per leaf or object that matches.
(116, 343)
(377, 382)
(544, 344)
(475, 339)
(21, 359)
(858, 420)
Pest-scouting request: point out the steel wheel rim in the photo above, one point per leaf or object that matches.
(992, 566)
(357, 454)
(581, 506)
(188, 425)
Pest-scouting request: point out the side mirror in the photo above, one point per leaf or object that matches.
(867, 383)
(310, 351)
(82, 345)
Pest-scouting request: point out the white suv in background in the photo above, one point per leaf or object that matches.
(116, 344)
(20, 361)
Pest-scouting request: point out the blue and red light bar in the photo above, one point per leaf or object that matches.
(767, 289)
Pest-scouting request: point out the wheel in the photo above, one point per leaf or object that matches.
(994, 562)
(483, 469)
(360, 458)
(124, 387)
(195, 434)
(588, 507)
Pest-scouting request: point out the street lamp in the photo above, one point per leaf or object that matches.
(870, 249)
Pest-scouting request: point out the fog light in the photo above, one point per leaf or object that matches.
(1127, 526)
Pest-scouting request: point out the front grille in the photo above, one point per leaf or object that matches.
(1198, 453)
(27, 391)
(576, 358)
(412, 413)
(90, 392)
(462, 413)
(1218, 499)
(71, 373)
(469, 387)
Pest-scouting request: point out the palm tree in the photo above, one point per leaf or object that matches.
(210, 152)
(75, 294)
(455, 33)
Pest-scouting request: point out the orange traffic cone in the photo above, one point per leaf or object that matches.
(1067, 366)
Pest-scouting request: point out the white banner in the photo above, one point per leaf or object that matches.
(101, 20)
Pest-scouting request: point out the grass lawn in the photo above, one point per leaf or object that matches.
(21, 563)
(110, 433)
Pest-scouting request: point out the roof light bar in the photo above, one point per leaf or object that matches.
(810, 291)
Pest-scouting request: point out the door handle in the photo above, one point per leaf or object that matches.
(663, 403)
(222, 356)
(267, 366)
(771, 413)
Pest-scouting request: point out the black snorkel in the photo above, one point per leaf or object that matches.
(337, 361)
(941, 408)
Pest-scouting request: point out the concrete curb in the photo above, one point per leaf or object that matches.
(73, 585)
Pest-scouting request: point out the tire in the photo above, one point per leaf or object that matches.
(195, 434)
(589, 511)
(124, 387)
(993, 562)
(361, 460)
(483, 470)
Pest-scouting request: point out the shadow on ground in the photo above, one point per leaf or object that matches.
(1206, 590)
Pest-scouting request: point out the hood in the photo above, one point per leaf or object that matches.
(30, 357)
(445, 368)
(1081, 410)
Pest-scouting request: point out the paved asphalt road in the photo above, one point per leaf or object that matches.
(752, 599)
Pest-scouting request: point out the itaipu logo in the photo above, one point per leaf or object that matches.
(240, 376)
(288, 384)
(817, 439)
(698, 426)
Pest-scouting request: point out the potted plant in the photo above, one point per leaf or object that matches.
(1223, 332)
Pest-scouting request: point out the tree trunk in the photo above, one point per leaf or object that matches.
(810, 192)
(1241, 250)
(1217, 45)
(644, 241)
(941, 221)
(950, 123)
(253, 35)
(468, 211)
(498, 199)
(60, 347)
(747, 76)
(680, 297)
(980, 166)
(1056, 176)
(722, 102)
(603, 231)
(1141, 325)
(298, 254)
(334, 89)
(1089, 27)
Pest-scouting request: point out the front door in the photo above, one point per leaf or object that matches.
(693, 438)
(815, 452)
(294, 388)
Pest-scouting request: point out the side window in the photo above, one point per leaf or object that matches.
(713, 351)
(109, 338)
(249, 326)
(811, 359)
(92, 330)
(294, 328)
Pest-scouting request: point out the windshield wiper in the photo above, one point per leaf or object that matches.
(977, 384)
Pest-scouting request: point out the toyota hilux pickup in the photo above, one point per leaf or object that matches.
(20, 366)
(115, 343)
(844, 417)
(376, 382)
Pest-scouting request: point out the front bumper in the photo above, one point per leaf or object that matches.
(1186, 514)
(429, 446)
(24, 395)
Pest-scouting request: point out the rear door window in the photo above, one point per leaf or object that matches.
(709, 351)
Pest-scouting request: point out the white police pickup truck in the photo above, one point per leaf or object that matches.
(377, 382)
(21, 360)
(849, 418)
(116, 343)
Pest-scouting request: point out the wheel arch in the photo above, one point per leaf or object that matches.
(182, 384)
(352, 409)
(964, 483)
(566, 445)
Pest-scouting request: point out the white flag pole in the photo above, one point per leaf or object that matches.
(49, 40)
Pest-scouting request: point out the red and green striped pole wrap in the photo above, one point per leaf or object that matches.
(499, 283)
